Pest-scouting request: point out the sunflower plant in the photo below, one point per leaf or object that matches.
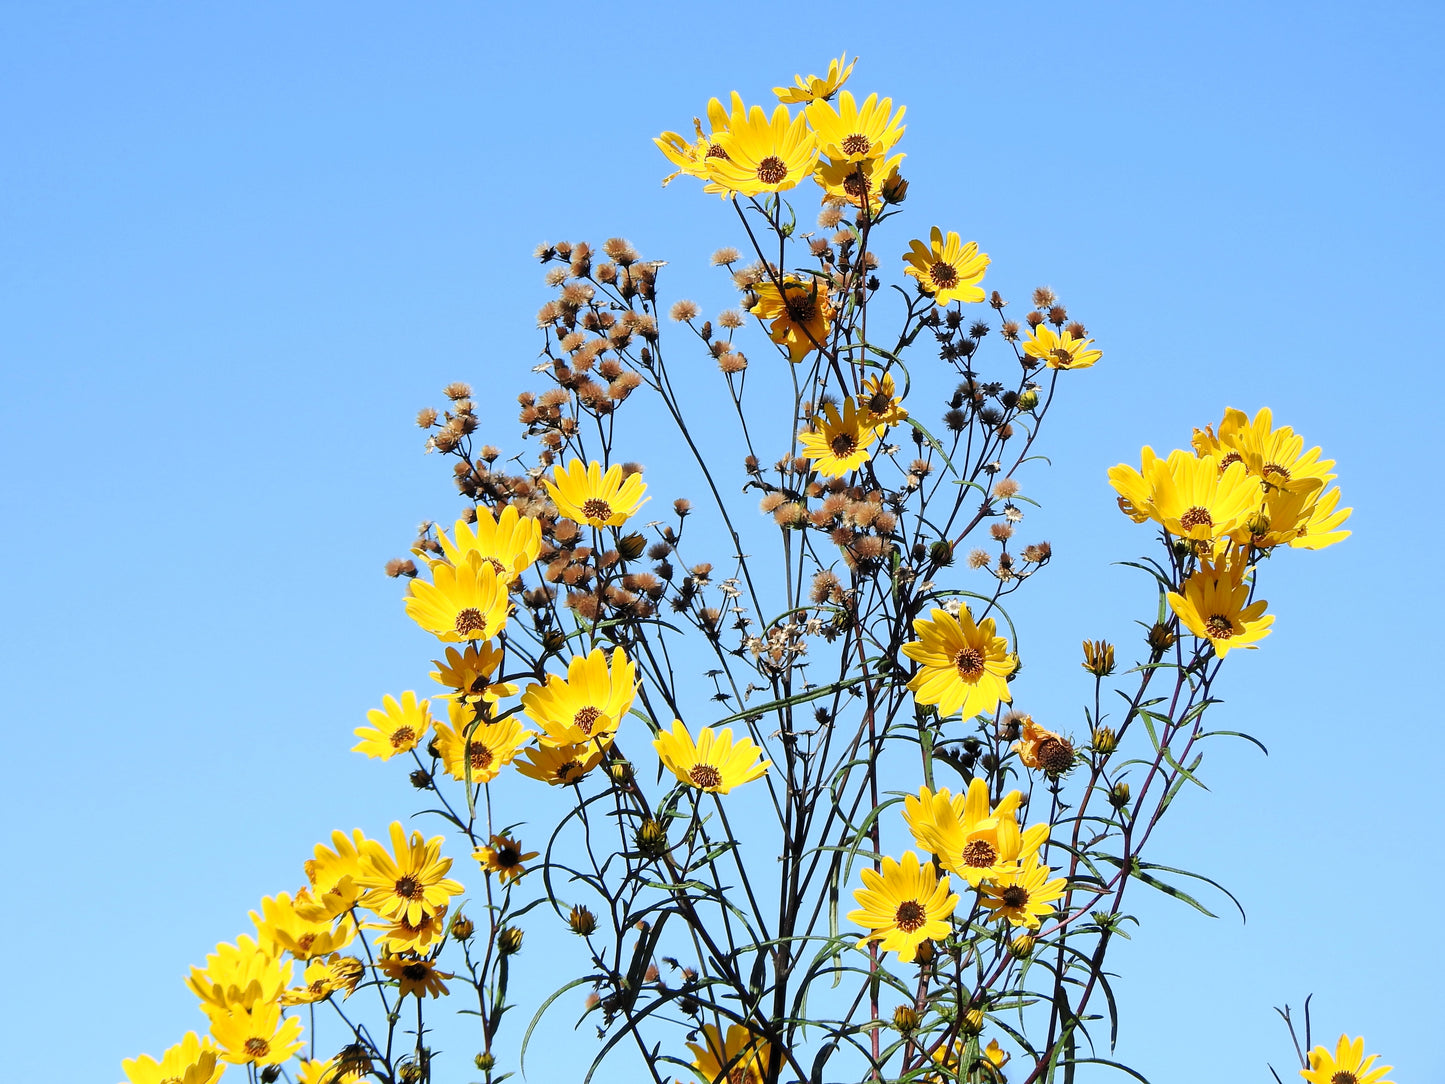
(680, 741)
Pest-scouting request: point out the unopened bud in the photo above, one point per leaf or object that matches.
(270, 1074)
(895, 188)
(1098, 657)
(621, 772)
(905, 1019)
(463, 927)
(485, 1062)
(651, 839)
(1022, 946)
(972, 1022)
(941, 553)
(1103, 740)
(924, 952)
(509, 940)
(630, 546)
(1119, 795)
(421, 779)
(1028, 399)
(1160, 638)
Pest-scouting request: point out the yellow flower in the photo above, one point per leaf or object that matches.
(410, 880)
(970, 838)
(587, 496)
(839, 444)
(851, 133)
(508, 543)
(996, 1057)
(1215, 606)
(588, 705)
(471, 745)
(1274, 456)
(332, 875)
(259, 1036)
(715, 764)
(858, 183)
(329, 1071)
(800, 312)
(319, 985)
(963, 667)
(239, 977)
(468, 671)
(395, 728)
(1286, 508)
(1060, 350)
(1043, 749)
(1321, 529)
(503, 856)
(880, 403)
(1192, 498)
(406, 936)
(559, 765)
(905, 905)
(1023, 896)
(463, 602)
(690, 156)
(814, 88)
(946, 268)
(1136, 492)
(280, 928)
(740, 1057)
(1347, 1065)
(763, 154)
(190, 1061)
(416, 976)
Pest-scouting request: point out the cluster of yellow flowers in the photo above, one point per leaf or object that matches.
(1234, 497)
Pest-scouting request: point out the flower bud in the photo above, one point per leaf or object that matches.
(420, 779)
(972, 1022)
(924, 952)
(895, 188)
(1098, 657)
(462, 927)
(1119, 795)
(905, 1019)
(270, 1074)
(1160, 639)
(630, 546)
(1103, 740)
(941, 553)
(484, 1062)
(582, 920)
(1022, 946)
(1028, 399)
(651, 839)
(509, 940)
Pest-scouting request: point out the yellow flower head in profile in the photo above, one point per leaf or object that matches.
(328, 1071)
(1286, 508)
(839, 443)
(1215, 606)
(853, 133)
(800, 312)
(963, 667)
(466, 601)
(972, 839)
(509, 543)
(690, 156)
(332, 876)
(468, 671)
(715, 764)
(416, 976)
(903, 906)
(1193, 499)
(503, 856)
(258, 1036)
(1024, 896)
(762, 153)
(190, 1061)
(409, 880)
(1322, 527)
(476, 749)
(395, 727)
(318, 985)
(861, 184)
(815, 88)
(1136, 492)
(559, 765)
(238, 977)
(1347, 1065)
(280, 928)
(1060, 350)
(739, 1057)
(406, 936)
(585, 495)
(586, 706)
(880, 403)
(1274, 456)
(947, 268)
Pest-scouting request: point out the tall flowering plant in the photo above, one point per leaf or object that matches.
(782, 808)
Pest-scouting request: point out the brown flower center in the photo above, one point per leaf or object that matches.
(1062, 357)
(1232, 457)
(1344, 1076)
(968, 663)
(497, 565)
(714, 150)
(1014, 896)
(772, 170)
(857, 143)
(257, 1047)
(480, 755)
(856, 184)
(408, 888)
(1275, 468)
(1219, 627)
(943, 274)
(879, 402)
(585, 719)
(596, 508)
(469, 621)
(1055, 755)
(565, 771)
(705, 775)
(305, 941)
(979, 853)
(402, 735)
(416, 972)
(843, 445)
(1196, 517)
(910, 916)
(802, 310)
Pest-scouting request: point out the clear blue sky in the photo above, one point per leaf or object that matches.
(243, 244)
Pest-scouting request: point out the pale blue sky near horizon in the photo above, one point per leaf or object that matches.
(241, 245)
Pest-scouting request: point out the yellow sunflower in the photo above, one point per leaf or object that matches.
(840, 443)
(509, 543)
(281, 928)
(800, 312)
(905, 905)
(739, 1057)
(469, 671)
(190, 1061)
(858, 183)
(328, 1071)
(257, 1036)
(1347, 1065)
(1136, 492)
(762, 153)
(585, 495)
(853, 133)
(465, 744)
(239, 977)
(690, 155)
(332, 877)
(405, 936)
(1285, 509)
(463, 602)
(715, 764)
(587, 705)
(559, 765)
(415, 976)
(1060, 350)
(963, 667)
(947, 268)
(817, 88)
(1321, 529)
(1215, 606)
(972, 839)
(880, 404)
(1274, 456)
(409, 880)
(395, 727)
(503, 856)
(1193, 499)
(1023, 896)
(318, 985)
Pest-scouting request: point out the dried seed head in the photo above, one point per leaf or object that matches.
(683, 311)
(1057, 315)
(1044, 297)
(724, 256)
(1076, 329)
(457, 390)
(1005, 488)
(979, 559)
(829, 217)
(426, 417)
